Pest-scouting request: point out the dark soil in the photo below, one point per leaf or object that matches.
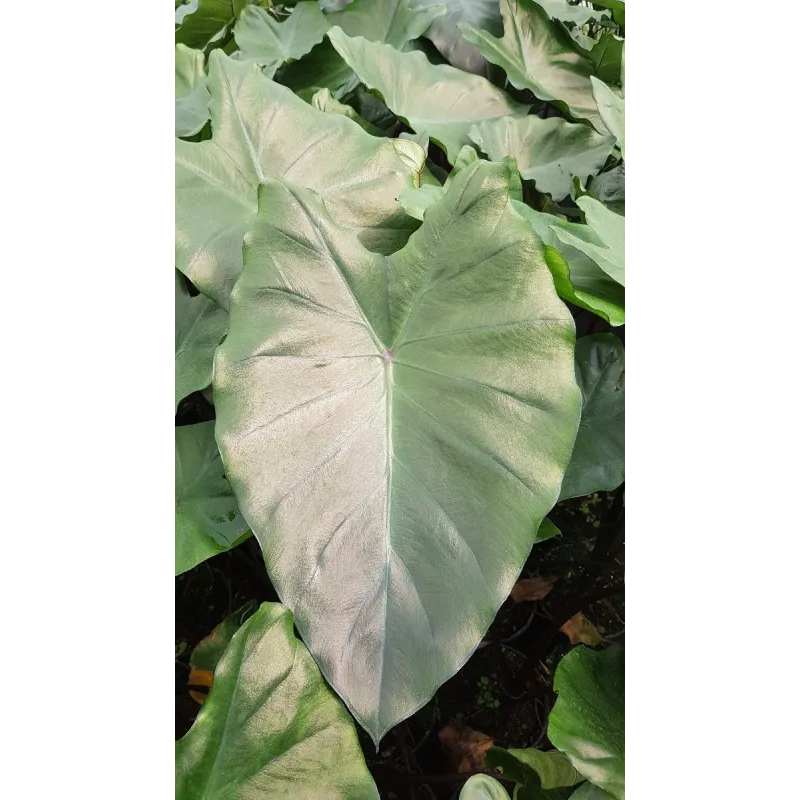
(505, 689)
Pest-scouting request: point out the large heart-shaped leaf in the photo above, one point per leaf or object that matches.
(588, 719)
(602, 238)
(207, 518)
(447, 38)
(393, 22)
(396, 429)
(439, 100)
(270, 726)
(269, 43)
(550, 152)
(200, 325)
(577, 278)
(261, 131)
(191, 94)
(598, 460)
(538, 54)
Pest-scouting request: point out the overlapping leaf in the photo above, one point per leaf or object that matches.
(564, 12)
(538, 54)
(598, 460)
(612, 111)
(602, 238)
(393, 22)
(535, 772)
(191, 94)
(325, 101)
(606, 54)
(483, 787)
(207, 518)
(437, 99)
(408, 419)
(550, 152)
(577, 278)
(447, 38)
(261, 130)
(588, 719)
(208, 22)
(200, 325)
(609, 189)
(270, 726)
(269, 43)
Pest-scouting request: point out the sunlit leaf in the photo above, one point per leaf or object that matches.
(439, 100)
(538, 54)
(191, 94)
(270, 726)
(408, 419)
(269, 43)
(550, 152)
(260, 131)
(612, 111)
(393, 22)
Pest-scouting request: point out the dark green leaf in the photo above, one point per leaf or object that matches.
(598, 460)
(325, 101)
(322, 68)
(588, 791)
(534, 768)
(270, 726)
(209, 22)
(380, 416)
(588, 719)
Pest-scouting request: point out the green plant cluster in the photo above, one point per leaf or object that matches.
(389, 214)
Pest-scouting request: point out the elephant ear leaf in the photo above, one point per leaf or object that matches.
(393, 22)
(588, 719)
(191, 94)
(262, 130)
(396, 425)
(538, 54)
(270, 726)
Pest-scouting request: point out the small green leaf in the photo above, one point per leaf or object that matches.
(598, 460)
(269, 43)
(203, 499)
(577, 278)
(534, 769)
(602, 238)
(208, 23)
(270, 726)
(612, 111)
(483, 787)
(550, 152)
(547, 530)
(588, 719)
(439, 100)
(191, 94)
(539, 55)
(606, 54)
(200, 325)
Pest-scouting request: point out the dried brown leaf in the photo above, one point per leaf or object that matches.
(465, 747)
(581, 631)
(531, 589)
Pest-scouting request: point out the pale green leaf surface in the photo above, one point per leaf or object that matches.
(207, 518)
(564, 12)
(577, 278)
(588, 791)
(538, 769)
(609, 189)
(269, 43)
(483, 787)
(538, 54)
(393, 425)
(325, 101)
(612, 111)
(270, 726)
(598, 460)
(588, 719)
(602, 238)
(447, 38)
(191, 94)
(437, 99)
(200, 325)
(393, 22)
(550, 152)
(261, 130)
